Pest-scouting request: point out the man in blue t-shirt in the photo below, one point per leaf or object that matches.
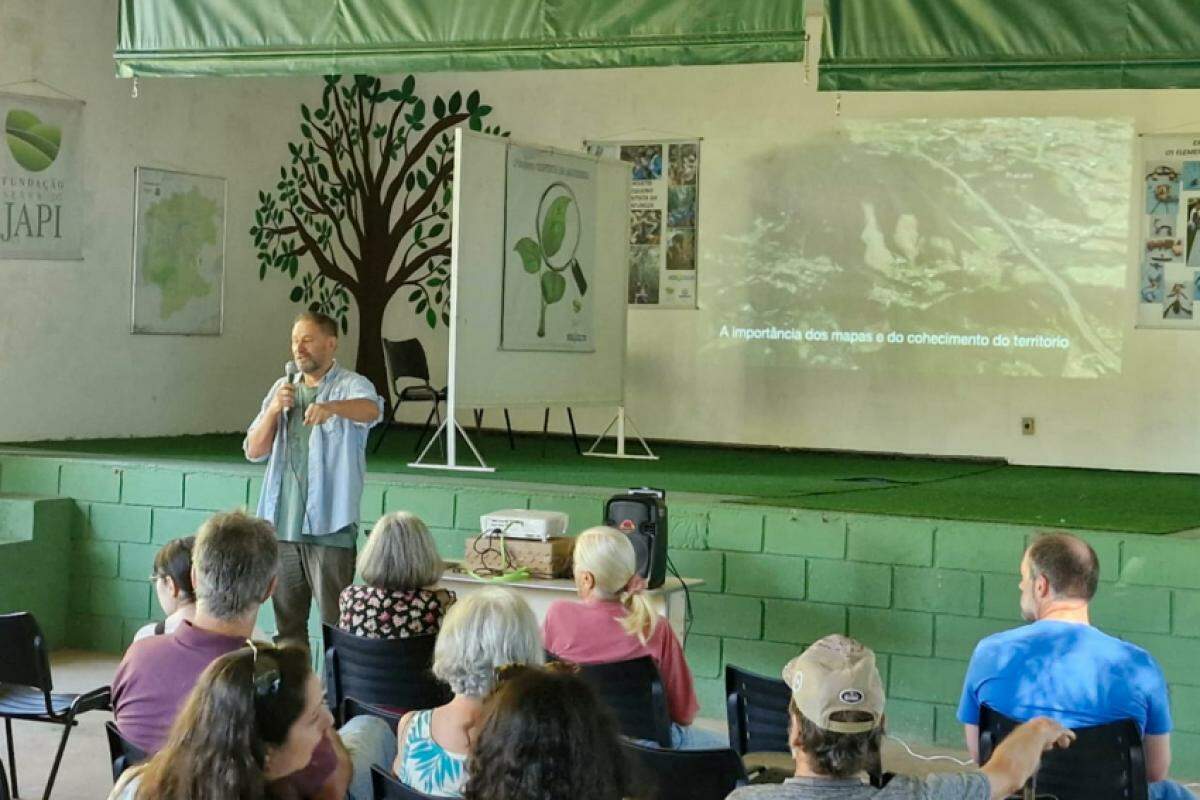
(1063, 668)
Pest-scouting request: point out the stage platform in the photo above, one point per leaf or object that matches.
(950, 489)
(916, 557)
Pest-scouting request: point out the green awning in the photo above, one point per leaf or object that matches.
(274, 37)
(928, 45)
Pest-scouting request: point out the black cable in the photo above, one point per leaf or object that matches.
(687, 601)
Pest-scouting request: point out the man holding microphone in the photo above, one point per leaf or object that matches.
(312, 431)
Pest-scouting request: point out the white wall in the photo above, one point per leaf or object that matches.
(68, 367)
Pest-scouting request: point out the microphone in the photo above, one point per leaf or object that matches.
(293, 374)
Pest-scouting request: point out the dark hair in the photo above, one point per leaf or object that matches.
(217, 747)
(838, 755)
(236, 557)
(174, 560)
(1068, 562)
(326, 323)
(546, 735)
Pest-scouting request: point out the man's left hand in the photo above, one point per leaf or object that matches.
(317, 413)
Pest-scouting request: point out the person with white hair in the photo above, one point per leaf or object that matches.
(491, 628)
(615, 622)
(399, 566)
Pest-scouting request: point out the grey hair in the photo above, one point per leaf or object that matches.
(235, 558)
(489, 628)
(400, 554)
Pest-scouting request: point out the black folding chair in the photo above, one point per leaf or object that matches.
(634, 691)
(406, 359)
(687, 774)
(756, 708)
(122, 752)
(394, 673)
(352, 708)
(386, 786)
(1105, 762)
(27, 691)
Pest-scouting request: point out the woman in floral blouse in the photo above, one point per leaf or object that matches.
(399, 564)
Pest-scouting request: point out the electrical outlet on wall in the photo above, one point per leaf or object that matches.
(1028, 426)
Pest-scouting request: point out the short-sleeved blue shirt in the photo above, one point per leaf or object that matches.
(1070, 672)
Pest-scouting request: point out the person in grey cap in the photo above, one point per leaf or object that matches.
(837, 715)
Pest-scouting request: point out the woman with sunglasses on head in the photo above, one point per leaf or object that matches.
(546, 736)
(255, 717)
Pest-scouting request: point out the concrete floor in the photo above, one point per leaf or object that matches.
(86, 774)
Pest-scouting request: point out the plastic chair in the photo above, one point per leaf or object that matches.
(406, 359)
(27, 691)
(634, 691)
(122, 752)
(352, 708)
(688, 774)
(1105, 762)
(756, 708)
(386, 786)
(393, 673)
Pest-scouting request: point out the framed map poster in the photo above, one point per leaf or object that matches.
(178, 253)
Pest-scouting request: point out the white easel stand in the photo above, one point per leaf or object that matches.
(451, 449)
(619, 420)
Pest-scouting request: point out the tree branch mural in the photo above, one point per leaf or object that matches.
(362, 207)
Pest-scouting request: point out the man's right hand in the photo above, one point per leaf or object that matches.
(285, 398)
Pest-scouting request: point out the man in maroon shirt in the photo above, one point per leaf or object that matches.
(233, 570)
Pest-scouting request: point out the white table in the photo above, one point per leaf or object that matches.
(668, 600)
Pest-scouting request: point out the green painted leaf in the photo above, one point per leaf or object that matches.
(431, 317)
(455, 102)
(439, 107)
(554, 226)
(409, 84)
(297, 294)
(531, 254)
(553, 287)
(473, 101)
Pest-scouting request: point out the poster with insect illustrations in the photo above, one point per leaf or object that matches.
(1168, 243)
(663, 218)
(549, 251)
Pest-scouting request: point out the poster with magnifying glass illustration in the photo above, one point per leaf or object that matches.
(549, 252)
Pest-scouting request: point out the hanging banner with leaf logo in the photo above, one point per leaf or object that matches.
(41, 197)
(549, 251)
(663, 218)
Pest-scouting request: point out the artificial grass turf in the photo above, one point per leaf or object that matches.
(876, 484)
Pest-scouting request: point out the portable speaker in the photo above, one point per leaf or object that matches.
(642, 515)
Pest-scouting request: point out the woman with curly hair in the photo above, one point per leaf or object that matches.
(546, 736)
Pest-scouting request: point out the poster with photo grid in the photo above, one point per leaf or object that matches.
(1167, 243)
(664, 216)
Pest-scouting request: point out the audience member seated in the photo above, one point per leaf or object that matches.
(172, 581)
(233, 572)
(836, 722)
(546, 735)
(1062, 667)
(255, 718)
(614, 622)
(487, 629)
(400, 565)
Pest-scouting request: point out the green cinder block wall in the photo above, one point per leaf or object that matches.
(920, 592)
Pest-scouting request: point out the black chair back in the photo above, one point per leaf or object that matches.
(634, 691)
(387, 786)
(1105, 762)
(352, 708)
(122, 752)
(406, 359)
(24, 657)
(756, 708)
(381, 672)
(687, 774)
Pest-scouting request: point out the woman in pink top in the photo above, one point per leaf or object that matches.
(614, 622)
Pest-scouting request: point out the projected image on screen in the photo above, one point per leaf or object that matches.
(980, 246)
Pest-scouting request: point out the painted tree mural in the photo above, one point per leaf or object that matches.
(361, 210)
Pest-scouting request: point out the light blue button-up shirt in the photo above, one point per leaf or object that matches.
(337, 460)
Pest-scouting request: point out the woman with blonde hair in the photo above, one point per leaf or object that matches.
(399, 566)
(615, 622)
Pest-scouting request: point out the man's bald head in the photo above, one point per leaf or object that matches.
(1068, 563)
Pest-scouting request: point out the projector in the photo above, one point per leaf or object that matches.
(520, 523)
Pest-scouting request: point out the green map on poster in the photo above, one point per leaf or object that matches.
(179, 258)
